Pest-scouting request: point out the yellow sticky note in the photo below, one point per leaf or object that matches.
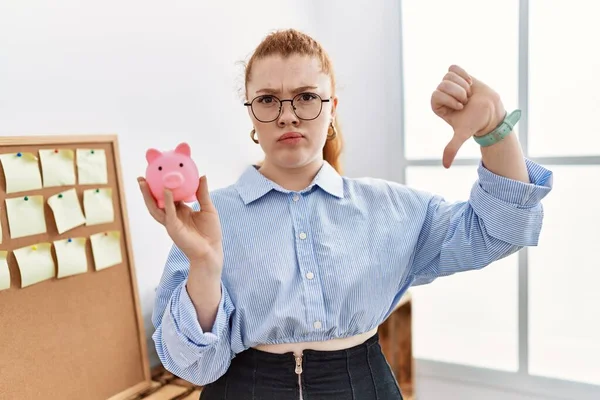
(21, 172)
(71, 257)
(35, 263)
(58, 167)
(98, 206)
(26, 216)
(67, 210)
(106, 249)
(91, 167)
(4, 272)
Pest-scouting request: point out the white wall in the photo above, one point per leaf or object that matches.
(153, 72)
(364, 44)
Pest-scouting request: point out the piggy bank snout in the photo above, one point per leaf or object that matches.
(173, 180)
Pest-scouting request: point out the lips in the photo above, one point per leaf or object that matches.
(290, 135)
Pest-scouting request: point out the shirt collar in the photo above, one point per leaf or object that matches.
(252, 185)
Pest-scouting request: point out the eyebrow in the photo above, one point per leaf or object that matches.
(295, 91)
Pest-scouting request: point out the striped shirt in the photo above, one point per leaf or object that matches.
(333, 260)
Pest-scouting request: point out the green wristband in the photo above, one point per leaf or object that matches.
(503, 129)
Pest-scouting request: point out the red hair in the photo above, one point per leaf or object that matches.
(292, 42)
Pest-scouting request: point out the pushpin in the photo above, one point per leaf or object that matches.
(105, 233)
(60, 195)
(19, 154)
(26, 198)
(92, 151)
(69, 240)
(97, 190)
(55, 150)
(33, 247)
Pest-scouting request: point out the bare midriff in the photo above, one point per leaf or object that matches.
(327, 345)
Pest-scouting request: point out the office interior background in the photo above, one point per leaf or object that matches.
(157, 73)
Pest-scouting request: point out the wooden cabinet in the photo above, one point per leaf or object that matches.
(396, 342)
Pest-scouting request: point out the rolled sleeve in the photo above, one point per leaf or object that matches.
(511, 210)
(181, 330)
(514, 192)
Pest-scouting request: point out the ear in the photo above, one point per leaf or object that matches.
(183, 148)
(334, 104)
(152, 154)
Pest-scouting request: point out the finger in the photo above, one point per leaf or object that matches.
(454, 90)
(461, 72)
(157, 213)
(440, 99)
(170, 208)
(203, 195)
(459, 80)
(452, 149)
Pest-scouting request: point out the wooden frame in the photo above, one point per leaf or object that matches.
(36, 320)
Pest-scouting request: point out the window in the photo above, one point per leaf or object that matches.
(432, 41)
(457, 317)
(534, 316)
(564, 272)
(564, 300)
(564, 88)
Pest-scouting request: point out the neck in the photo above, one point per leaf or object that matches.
(292, 178)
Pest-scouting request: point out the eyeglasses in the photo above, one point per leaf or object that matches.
(306, 106)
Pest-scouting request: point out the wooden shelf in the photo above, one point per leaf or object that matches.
(166, 386)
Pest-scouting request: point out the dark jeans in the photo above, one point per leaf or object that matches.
(358, 373)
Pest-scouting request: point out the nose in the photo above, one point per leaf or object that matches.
(173, 180)
(287, 115)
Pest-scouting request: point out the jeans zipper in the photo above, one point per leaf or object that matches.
(299, 372)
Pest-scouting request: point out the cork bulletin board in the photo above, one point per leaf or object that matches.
(70, 319)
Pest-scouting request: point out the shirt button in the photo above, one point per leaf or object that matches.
(296, 197)
(317, 324)
(302, 235)
(310, 275)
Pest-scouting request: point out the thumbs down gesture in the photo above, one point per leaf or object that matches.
(468, 105)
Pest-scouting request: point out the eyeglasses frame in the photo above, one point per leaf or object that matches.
(281, 101)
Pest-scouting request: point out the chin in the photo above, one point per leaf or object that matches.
(295, 159)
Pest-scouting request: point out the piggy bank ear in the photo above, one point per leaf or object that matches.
(183, 148)
(152, 154)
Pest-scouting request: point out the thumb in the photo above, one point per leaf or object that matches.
(452, 148)
(203, 195)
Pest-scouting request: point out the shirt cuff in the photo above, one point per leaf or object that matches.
(511, 210)
(182, 331)
(515, 192)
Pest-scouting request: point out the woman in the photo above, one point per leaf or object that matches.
(276, 285)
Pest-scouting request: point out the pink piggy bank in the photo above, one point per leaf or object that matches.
(174, 170)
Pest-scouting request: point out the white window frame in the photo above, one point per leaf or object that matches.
(521, 381)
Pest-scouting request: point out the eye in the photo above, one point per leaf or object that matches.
(307, 97)
(181, 164)
(266, 99)
(160, 168)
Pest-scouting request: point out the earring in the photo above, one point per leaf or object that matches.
(332, 132)
(252, 133)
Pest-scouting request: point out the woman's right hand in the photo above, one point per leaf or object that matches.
(196, 233)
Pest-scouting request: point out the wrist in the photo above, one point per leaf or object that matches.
(500, 115)
(203, 284)
(205, 270)
(499, 133)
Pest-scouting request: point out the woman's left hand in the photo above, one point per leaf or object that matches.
(468, 105)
